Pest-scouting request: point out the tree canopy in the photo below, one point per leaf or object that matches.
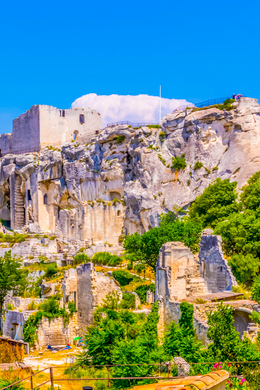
(11, 277)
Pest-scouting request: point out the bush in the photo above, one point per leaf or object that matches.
(128, 301)
(51, 270)
(6, 382)
(145, 248)
(123, 277)
(256, 289)
(142, 290)
(198, 165)
(81, 258)
(215, 204)
(120, 139)
(162, 136)
(105, 258)
(72, 307)
(9, 306)
(179, 162)
(32, 306)
(50, 306)
(245, 268)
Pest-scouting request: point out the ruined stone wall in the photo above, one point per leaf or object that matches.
(5, 143)
(33, 247)
(177, 273)
(21, 304)
(44, 125)
(13, 324)
(53, 332)
(87, 288)
(60, 126)
(214, 267)
(26, 132)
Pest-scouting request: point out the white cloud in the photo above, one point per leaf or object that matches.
(139, 108)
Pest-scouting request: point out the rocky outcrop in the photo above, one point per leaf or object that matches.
(123, 181)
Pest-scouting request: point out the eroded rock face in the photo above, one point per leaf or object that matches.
(123, 181)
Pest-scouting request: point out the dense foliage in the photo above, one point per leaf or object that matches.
(48, 309)
(11, 278)
(105, 258)
(179, 163)
(215, 204)
(122, 337)
(146, 247)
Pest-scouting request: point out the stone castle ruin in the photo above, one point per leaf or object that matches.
(42, 192)
(43, 126)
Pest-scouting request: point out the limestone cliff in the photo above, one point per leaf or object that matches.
(121, 182)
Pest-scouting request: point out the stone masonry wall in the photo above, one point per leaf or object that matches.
(214, 267)
(53, 332)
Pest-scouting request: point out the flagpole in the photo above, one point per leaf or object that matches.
(160, 114)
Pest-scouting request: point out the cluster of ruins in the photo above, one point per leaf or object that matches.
(179, 277)
(63, 178)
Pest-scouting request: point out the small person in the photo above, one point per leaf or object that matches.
(3, 229)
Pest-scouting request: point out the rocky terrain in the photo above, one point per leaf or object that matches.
(132, 167)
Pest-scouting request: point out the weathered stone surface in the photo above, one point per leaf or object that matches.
(71, 191)
(214, 267)
(182, 365)
(87, 289)
(177, 273)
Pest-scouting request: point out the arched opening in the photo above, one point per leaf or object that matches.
(14, 329)
(114, 195)
(0, 152)
(118, 213)
(81, 119)
(75, 135)
(241, 321)
(45, 199)
(63, 113)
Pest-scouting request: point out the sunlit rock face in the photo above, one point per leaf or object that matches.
(123, 180)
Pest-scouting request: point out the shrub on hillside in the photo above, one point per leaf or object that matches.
(123, 277)
(105, 258)
(179, 162)
(128, 301)
(245, 268)
(142, 290)
(215, 204)
(81, 258)
(51, 270)
(198, 165)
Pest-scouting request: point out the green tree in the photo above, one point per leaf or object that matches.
(225, 339)
(11, 278)
(215, 204)
(180, 339)
(146, 247)
(251, 193)
(123, 277)
(256, 289)
(240, 234)
(81, 258)
(186, 320)
(245, 268)
(131, 354)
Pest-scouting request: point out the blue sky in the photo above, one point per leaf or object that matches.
(53, 52)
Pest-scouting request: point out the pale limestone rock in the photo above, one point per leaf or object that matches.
(80, 181)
